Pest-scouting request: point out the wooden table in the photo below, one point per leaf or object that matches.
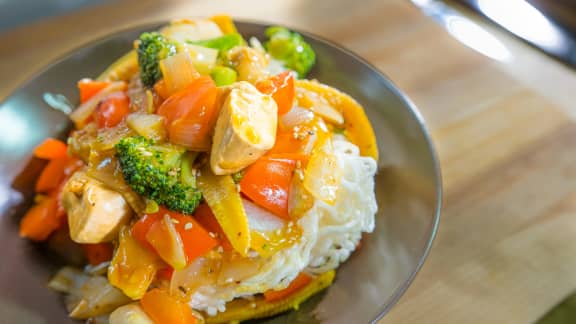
(504, 130)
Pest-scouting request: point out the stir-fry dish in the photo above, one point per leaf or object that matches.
(206, 180)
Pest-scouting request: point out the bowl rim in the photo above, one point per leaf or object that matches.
(404, 99)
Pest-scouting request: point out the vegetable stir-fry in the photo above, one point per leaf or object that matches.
(206, 180)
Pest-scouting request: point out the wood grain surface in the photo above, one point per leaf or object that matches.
(504, 130)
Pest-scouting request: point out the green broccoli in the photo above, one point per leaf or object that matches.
(290, 48)
(160, 172)
(152, 48)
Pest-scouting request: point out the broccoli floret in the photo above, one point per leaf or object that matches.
(290, 48)
(152, 48)
(155, 172)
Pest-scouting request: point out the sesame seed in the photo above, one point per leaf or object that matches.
(212, 235)
(188, 226)
(220, 249)
(175, 221)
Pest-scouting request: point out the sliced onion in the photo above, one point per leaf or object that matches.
(96, 297)
(296, 116)
(260, 219)
(200, 272)
(188, 133)
(322, 175)
(167, 243)
(83, 112)
(68, 280)
(319, 105)
(148, 125)
(204, 58)
(299, 199)
(178, 72)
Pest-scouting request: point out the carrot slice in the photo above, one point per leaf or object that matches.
(88, 88)
(40, 220)
(163, 308)
(52, 175)
(301, 281)
(51, 149)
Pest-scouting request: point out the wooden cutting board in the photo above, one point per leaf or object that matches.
(504, 130)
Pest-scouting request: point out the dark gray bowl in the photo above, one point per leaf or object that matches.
(408, 186)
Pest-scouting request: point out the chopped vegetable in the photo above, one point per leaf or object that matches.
(191, 113)
(301, 281)
(82, 114)
(122, 69)
(204, 216)
(245, 130)
(184, 30)
(223, 76)
(267, 183)
(223, 43)
(52, 175)
(152, 48)
(133, 267)
(290, 48)
(112, 110)
(322, 175)
(163, 308)
(153, 170)
(203, 58)
(178, 72)
(150, 126)
(98, 253)
(41, 220)
(88, 88)
(130, 314)
(281, 88)
(196, 240)
(96, 297)
(319, 105)
(358, 128)
(299, 199)
(243, 309)
(51, 149)
(225, 23)
(167, 242)
(224, 200)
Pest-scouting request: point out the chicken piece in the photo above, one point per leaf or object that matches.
(130, 314)
(245, 130)
(95, 213)
(250, 63)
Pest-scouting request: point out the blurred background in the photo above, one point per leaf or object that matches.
(549, 25)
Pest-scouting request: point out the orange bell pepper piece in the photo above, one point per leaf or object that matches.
(267, 182)
(281, 88)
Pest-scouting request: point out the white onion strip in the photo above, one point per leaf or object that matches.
(83, 112)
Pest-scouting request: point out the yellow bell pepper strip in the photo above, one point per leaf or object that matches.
(133, 267)
(122, 69)
(356, 124)
(221, 194)
(242, 309)
(225, 23)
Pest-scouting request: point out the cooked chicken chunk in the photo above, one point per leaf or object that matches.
(250, 63)
(191, 30)
(245, 130)
(95, 213)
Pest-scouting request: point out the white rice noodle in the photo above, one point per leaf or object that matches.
(330, 234)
